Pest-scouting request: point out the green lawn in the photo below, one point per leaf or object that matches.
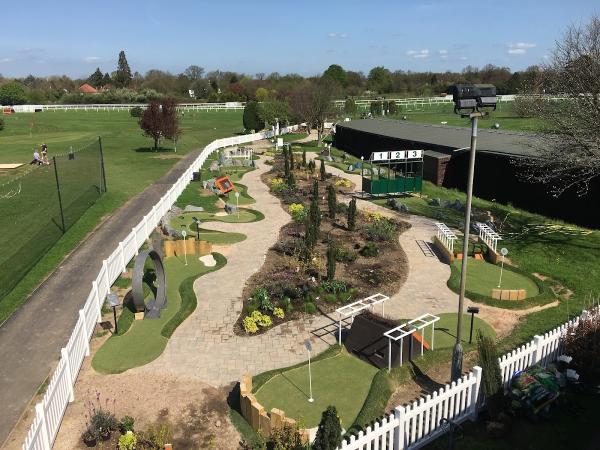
(130, 166)
(342, 380)
(145, 340)
(482, 277)
(219, 237)
(243, 216)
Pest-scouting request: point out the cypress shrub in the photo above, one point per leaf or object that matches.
(329, 433)
(352, 215)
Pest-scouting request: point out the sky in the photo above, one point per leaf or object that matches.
(58, 37)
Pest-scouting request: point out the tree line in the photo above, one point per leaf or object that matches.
(124, 85)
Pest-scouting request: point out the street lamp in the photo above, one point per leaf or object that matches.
(472, 310)
(113, 301)
(470, 101)
(308, 346)
(184, 234)
(503, 252)
(237, 203)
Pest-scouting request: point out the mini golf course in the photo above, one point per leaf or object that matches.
(341, 380)
(482, 277)
(445, 330)
(145, 340)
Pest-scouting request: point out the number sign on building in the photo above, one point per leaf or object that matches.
(396, 155)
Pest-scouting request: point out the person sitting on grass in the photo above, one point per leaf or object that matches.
(36, 158)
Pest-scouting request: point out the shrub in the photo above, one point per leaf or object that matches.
(392, 107)
(583, 344)
(330, 298)
(156, 436)
(250, 324)
(278, 312)
(136, 111)
(261, 295)
(491, 377)
(303, 158)
(1, 124)
(128, 441)
(343, 182)
(331, 201)
(286, 437)
(298, 212)
(352, 215)
(380, 230)
(345, 255)
(127, 423)
(331, 252)
(329, 433)
(310, 308)
(322, 172)
(370, 250)
(376, 108)
(262, 320)
(286, 304)
(334, 286)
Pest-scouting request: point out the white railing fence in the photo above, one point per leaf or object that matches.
(49, 412)
(229, 106)
(413, 426)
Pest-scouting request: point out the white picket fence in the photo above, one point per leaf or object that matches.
(413, 426)
(50, 410)
(228, 106)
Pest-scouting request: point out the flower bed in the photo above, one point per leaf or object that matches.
(342, 263)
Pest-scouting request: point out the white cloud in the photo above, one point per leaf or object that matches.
(463, 58)
(520, 48)
(443, 54)
(418, 53)
(91, 58)
(6, 60)
(337, 35)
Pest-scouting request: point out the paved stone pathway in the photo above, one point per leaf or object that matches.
(205, 347)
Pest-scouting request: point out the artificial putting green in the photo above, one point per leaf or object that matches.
(185, 221)
(445, 330)
(145, 340)
(482, 277)
(342, 380)
(220, 237)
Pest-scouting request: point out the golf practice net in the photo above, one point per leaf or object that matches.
(37, 208)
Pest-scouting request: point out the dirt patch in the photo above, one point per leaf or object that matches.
(540, 276)
(423, 384)
(196, 413)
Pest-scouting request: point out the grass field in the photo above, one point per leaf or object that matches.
(445, 330)
(130, 166)
(145, 340)
(504, 115)
(342, 380)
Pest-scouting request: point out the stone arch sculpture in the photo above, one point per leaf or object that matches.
(152, 310)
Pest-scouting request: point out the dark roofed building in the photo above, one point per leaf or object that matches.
(446, 163)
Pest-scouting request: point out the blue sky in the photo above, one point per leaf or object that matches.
(74, 37)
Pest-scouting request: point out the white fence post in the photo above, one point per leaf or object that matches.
(65, 355)
(123, 263)
(97, 292)
(475, 392)
(399, 413)
(537, 354)
(85, 332)
(41, 414)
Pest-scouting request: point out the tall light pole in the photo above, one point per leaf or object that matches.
(184, 234)
(468, 97)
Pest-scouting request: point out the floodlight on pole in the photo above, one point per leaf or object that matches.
(184, 234)
(308, 346)
(237, 203)
(472, 310)
(469, 100)
(503, 252)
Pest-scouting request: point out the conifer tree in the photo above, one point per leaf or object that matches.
(322, 170)
(329, 433)
(331, 262)
(331, 201)
(352, 215)
(123, 76)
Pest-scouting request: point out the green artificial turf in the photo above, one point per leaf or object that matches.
(130, 166)
(219, 237)
(145, 340)
(445, 330)
(536, 244)
(185, 221)
(342, 380)
(482, 277)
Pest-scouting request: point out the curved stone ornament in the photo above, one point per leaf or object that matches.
(152, 310)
